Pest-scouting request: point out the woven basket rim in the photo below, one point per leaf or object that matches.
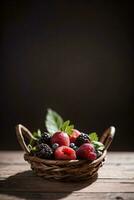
(27, 157)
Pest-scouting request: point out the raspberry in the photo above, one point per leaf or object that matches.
(92, 156)
(61, 138)
(45, 138)
(65, 153)
(86, 151)
(81, 139)
(44, 151)
(74, 135)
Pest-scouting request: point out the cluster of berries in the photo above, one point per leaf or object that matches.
(61, 146)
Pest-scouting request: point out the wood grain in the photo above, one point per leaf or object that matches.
(73, 196)
(115, 180)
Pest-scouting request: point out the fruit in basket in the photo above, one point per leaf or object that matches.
(86, 151)
(81, 139)
(60, 138)
(55, 146)
(65, 153)
(44, 151)
(45, 138)
(74, 135)
(73, 146)
(63, 142)
(92, 156)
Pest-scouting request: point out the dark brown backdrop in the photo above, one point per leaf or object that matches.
(73, 57)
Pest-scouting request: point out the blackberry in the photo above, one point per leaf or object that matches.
(45, 138)
(44, 151)
(81, 139)
(40, 146)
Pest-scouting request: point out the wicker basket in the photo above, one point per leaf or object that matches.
(68, 170)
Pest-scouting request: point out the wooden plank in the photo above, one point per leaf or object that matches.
(33, 183)
(119, 158)
(67, 196)
(115, 171)
(10, 170)
(11, 157)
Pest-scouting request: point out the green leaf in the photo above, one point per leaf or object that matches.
(98, 145)
(32, 149)
(93, 136)
(64, 125)
(67, 128)
(37, 135)
(53, 121)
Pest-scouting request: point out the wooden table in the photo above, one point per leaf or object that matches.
(115, 180)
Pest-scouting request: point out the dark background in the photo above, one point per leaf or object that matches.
(73, 57)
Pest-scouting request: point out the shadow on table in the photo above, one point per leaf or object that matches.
(27, 185)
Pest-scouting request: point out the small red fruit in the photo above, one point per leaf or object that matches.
(86, 151)
(61, 138)
(65, 153)
(92, 156)
(74, 135)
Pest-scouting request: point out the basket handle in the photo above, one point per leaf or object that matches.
(22, 131)
(108, 136)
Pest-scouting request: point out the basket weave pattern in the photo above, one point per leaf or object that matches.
(66, 170)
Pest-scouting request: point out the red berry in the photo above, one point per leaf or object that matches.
(61, 138)
(92, 156)
(86, 151)
(74, 135)
(65, 153)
